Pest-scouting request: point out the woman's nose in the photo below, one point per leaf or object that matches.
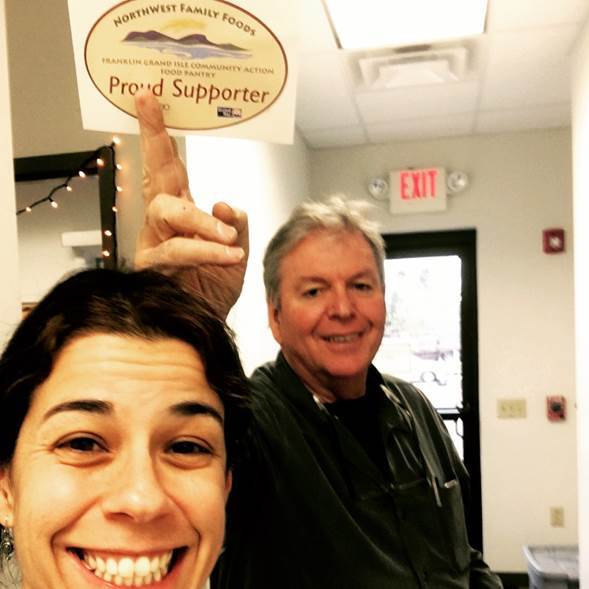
(137, 491)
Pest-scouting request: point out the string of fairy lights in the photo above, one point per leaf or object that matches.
(66, 185)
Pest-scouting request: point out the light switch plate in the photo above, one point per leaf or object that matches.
(557, 517)
(511, 408)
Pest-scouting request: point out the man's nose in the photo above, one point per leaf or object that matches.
(135, 490)
(341, 304)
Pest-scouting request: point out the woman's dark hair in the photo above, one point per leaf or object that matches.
(142, 304)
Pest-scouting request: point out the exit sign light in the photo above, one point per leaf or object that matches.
(418, 191)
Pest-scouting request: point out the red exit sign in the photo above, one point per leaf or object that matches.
(418, 190)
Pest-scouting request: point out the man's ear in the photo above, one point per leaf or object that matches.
(6, 498)
(274, 320)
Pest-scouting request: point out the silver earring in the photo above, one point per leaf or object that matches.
(6, 542)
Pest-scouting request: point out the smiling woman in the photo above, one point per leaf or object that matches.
(122, 402)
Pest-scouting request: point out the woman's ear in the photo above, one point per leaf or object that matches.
(6, 498)
(228, 483)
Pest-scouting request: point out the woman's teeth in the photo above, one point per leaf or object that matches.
(127, 571)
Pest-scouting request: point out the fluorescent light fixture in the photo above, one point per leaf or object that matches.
(388, 23)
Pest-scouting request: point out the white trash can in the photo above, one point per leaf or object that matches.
(553, 567)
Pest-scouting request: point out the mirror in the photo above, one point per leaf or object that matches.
(65, 217)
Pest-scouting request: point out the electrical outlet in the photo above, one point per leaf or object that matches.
(557, 517)
(510, 408)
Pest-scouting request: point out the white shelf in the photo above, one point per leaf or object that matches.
(81, 238)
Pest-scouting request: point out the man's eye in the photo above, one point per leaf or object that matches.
(363, 286)
(188, 447)
(311, 293)
(81, 444)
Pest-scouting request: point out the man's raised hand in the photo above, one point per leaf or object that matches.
(208, 251)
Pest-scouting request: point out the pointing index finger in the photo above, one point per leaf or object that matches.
(163, 169)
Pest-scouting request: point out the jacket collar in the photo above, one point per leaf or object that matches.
(393, 411)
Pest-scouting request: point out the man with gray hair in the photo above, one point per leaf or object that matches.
(351, 480)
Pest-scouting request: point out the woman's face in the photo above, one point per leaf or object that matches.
(119, 474)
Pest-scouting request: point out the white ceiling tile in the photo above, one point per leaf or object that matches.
(314, 30)
(517, 14)
(459, 124)
(334, 137)
(539, 86)
(519, 74)
(500, 121)
(528, 68)
(535, 46)
(411, 103)
(323, 95)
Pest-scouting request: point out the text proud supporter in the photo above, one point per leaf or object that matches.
(201, 93)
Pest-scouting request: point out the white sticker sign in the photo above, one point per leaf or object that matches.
(215, 67)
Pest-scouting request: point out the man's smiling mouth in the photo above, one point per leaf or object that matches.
(342, 339)
(129, 571)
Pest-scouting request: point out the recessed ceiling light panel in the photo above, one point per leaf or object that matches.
(389, 23)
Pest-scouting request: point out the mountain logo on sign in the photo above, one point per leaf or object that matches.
(195, 46)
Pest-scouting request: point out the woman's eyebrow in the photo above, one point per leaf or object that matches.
(86, 405)
(187, 408)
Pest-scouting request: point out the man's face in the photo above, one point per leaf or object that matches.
(331, 313)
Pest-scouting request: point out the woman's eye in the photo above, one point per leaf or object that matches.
(81, 444)
(188, 447)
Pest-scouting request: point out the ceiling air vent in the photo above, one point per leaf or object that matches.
(397, 70)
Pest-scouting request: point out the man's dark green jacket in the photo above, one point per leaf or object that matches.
(310, 510)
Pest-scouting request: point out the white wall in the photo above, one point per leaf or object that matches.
(266, 181)
(9, 304)
(520, 184)
(580, 112)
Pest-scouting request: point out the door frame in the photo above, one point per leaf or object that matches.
(463, 244)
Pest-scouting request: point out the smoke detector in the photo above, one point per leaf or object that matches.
(401, 69)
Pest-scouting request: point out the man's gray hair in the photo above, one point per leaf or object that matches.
(335, 214)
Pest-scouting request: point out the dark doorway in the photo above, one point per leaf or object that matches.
(431, 336)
